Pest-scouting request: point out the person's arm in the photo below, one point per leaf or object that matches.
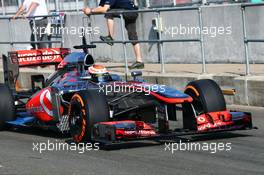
(99, 9)
(20, 10)
(32, 7)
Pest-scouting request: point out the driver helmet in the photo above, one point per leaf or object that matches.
(99, 73)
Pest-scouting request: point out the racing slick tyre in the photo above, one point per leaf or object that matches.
(207, 97)
(7, 107)
(86, 109)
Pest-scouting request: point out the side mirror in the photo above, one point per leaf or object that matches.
(88, 60)
(136, 74)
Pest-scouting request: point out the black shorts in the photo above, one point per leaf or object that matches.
(41, 26)
(130, 19)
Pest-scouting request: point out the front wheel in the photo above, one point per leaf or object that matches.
(207, 97)
(86, 109)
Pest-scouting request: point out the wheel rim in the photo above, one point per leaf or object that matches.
(77, 120)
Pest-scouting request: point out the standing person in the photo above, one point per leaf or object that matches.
(130, 24)
(31, 8)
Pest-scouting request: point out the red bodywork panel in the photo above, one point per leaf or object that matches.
(125, 129)
(214, 120)
(40, 105)
(172, 100)
(223, 120)
(39, 57)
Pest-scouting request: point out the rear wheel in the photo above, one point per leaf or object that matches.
(86, 109)
(7, 107)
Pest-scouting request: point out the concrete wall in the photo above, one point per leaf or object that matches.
(223, 48)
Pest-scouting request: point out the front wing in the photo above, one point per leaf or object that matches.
(129, 130)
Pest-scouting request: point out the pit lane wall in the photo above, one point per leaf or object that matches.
(249, 90)
(219, 47)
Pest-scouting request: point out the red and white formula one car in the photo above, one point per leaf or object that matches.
(76, 99)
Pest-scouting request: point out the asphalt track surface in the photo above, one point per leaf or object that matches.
(246, 156)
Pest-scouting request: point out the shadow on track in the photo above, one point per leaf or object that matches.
(136, 144)
(39, 132)
(218, 136)
(131, 144)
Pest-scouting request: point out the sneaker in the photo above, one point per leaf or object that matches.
(107, 39)
(137, 65)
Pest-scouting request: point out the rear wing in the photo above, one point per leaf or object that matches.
(30, 58)
(11, 72)
(39, 57)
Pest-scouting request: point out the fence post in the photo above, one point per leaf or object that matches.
(160, 44)
(3, 8)
(48, 5)
(91, 35)
(245, 40)
(10, 32)
(56, 3)
(147, 3)
(61, 25)
(85, 3)
(204, 71)
(35, 33)
(19, 2)
(77, 5)
(124, 45)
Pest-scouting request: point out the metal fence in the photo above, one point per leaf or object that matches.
(160, 39)
(246, 39)
(9, 7)
(11, 31)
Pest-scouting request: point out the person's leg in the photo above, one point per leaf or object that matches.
(32, 36)
(110, 26)
(137, 52)
(42, 36)
(132, 35)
